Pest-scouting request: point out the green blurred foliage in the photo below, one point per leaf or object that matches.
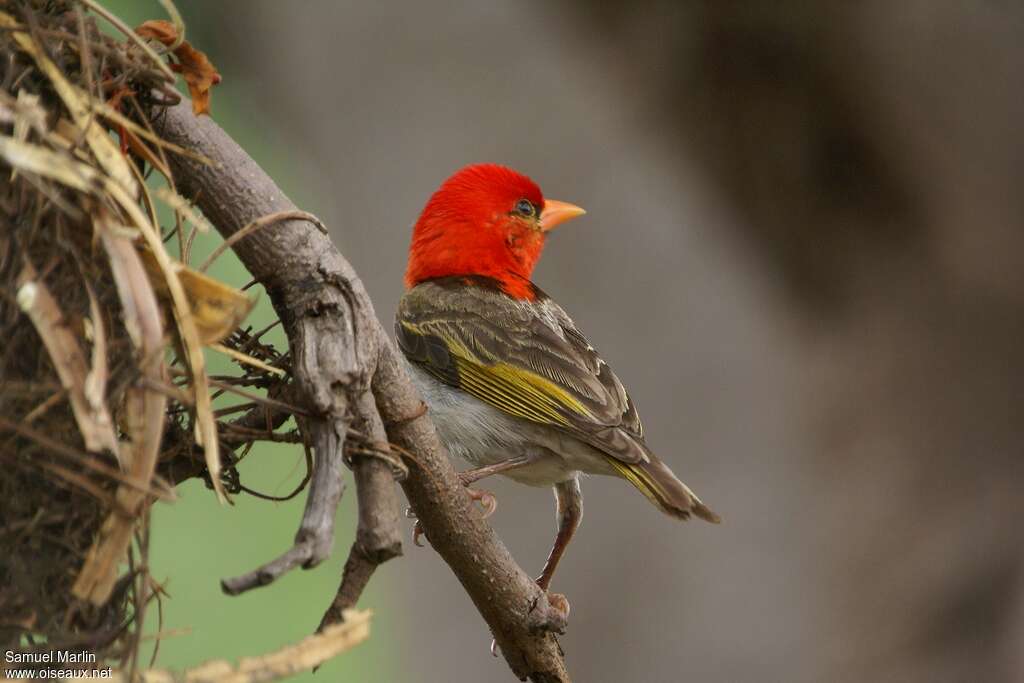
(196, 541)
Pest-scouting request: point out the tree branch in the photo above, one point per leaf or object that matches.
(378, 538)
(341, 350)
(310, 287)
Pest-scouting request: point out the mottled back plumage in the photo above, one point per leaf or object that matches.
(547, 371)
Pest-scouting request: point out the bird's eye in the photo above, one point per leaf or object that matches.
(526, 208)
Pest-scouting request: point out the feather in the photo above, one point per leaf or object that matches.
(664, 489)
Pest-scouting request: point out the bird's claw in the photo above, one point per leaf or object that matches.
(552, 617)
(486, 499)
(417, 529)
(417, 532)
(560, 603)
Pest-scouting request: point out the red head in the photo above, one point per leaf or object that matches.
(485, 220)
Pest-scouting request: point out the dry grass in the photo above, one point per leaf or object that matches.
(105, 402)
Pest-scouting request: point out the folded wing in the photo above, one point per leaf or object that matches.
(525, 358)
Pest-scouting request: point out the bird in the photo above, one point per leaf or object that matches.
(511, 384)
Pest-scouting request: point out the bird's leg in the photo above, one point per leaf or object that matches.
(569, 512)
(485, 498)
(478, 473)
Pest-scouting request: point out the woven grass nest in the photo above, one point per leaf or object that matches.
(105, 402)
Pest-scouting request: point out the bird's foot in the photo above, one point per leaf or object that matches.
(417, 529)
(486, 499)
(554, 618)
(557, 601)
(552, 614)
(560, 603)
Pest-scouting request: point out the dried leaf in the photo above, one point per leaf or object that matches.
(217, 309)
(248, 360)
(194, 66)
(143, 411)
(158, 29)
(27, 102)
(96, 379)
(188, 332)
(93, 421)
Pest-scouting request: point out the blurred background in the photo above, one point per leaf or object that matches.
(804, 255)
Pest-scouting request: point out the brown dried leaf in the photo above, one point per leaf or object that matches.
(217, 309)
(96, 379)
(51, 164)
(187, 330)
(194, 66)
(200, 75)
(143, 411)
(158, 29)
(93, 421)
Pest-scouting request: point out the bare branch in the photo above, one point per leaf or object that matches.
(378, 538)
(315, 537)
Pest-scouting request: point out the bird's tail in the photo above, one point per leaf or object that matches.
(656, 481)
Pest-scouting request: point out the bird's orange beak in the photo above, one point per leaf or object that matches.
(555, 213)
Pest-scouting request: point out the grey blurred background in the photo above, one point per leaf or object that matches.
(804, 255)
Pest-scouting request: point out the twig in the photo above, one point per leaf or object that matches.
(259, 224)
(517, 611)
(82, 459)
(295, 491)
(44, 407)
(315, 538)
(262, 434)
(288, 661)
(377, 536)
(248, 360)
(265, 400)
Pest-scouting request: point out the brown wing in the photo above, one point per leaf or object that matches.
(525, 358)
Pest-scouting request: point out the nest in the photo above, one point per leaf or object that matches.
(106, 403)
